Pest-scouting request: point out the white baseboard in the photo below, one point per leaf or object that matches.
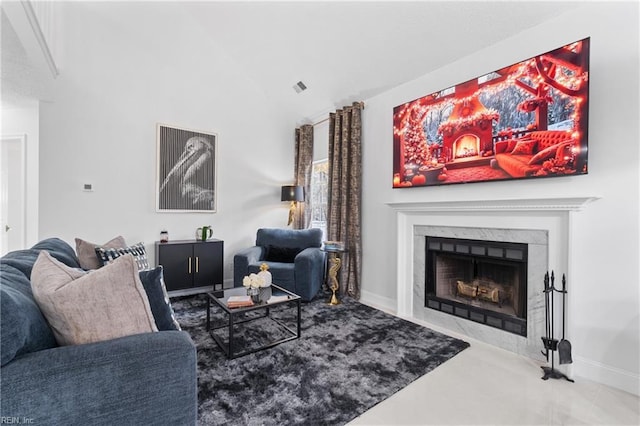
(607, 375)
(189, 291)
(383, 303)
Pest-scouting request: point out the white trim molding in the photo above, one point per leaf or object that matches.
(36, 26)
(523, 204)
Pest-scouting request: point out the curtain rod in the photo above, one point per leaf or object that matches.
(320, 122)
(327, 119)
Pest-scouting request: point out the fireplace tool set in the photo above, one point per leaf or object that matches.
(551, 344)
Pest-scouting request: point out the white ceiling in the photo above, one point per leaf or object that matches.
(350, 51)
(342, 51)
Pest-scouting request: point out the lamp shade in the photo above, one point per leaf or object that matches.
(292, 193)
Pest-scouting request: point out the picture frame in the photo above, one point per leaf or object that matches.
(186, 170)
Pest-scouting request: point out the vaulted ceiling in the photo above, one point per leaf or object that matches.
(342, 51)
(350, 51)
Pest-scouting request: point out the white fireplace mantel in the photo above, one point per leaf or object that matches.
(521, 204)
(554, 216)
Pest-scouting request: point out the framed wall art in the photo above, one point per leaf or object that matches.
(186, 170)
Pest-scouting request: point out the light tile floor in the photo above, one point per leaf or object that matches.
(485, 385)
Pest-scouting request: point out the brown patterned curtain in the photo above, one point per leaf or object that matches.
(345, 189)
(303, 168)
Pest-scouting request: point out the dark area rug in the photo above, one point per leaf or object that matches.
(348, 359)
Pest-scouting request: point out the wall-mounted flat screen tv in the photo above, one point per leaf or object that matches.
(527, 120)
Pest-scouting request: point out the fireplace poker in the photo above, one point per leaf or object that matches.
(545, 340)
(552, 315)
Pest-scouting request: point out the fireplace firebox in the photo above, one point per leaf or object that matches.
(482, 281)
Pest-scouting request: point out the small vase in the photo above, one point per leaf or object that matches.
(254, 293)
(265, 293)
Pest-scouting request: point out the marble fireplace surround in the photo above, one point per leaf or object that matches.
(544, 224)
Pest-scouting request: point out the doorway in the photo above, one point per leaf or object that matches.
(12, 193)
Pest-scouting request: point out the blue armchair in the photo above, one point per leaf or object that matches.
(295, 259)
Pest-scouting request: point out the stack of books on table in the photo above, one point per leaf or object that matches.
(333, 245)
(275, 299)
(239, 301)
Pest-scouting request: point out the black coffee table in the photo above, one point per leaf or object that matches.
(261, 310)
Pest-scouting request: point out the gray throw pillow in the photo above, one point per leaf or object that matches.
(86, 251)
(86, 307)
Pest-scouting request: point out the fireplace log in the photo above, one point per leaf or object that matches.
(491, 294)
(483, 289)
(467, 290)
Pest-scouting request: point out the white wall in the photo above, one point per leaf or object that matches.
(321, 141)
(24, 120)
(606, 339)
(119, 79)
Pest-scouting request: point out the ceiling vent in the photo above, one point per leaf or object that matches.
(299, 87)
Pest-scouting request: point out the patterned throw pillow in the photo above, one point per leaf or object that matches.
(511, 144)
(546, 153)
(108, 255)
(501, 147)
(506, 146)
(524, 148)
(153, 283)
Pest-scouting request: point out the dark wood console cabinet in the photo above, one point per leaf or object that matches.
(191, 266)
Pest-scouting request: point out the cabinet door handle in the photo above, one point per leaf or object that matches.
(197, 264)
(189, 264)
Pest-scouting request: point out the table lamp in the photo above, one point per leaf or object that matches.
(294, 194)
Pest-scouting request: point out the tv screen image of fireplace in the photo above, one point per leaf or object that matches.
(483, 281)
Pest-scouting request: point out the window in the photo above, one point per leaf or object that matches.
(320, 195)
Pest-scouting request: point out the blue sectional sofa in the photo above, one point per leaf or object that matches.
(146, 378)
